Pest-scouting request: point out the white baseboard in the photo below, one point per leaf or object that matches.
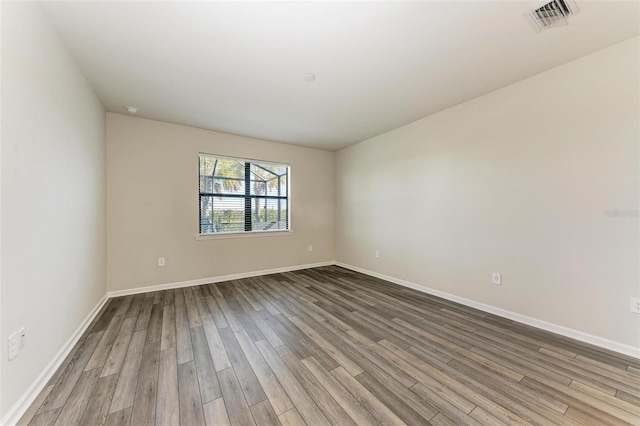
(20, 407)
(547, 326)
(218, 279)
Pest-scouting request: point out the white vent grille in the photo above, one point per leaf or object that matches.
(553, 14)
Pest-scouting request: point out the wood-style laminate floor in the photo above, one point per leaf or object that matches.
(328, 346)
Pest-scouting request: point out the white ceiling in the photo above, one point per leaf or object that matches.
(239, 67)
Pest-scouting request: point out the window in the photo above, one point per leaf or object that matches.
(238, 195)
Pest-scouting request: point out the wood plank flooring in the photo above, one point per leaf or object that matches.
(328, 346)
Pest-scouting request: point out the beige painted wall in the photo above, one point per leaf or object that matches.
(152, 205)
(53, 195)
(516, 181)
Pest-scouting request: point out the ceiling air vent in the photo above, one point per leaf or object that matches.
(552, 14)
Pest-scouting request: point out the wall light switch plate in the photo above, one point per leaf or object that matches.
(161, 261)
(496, 278)
(635, 305)
(16, 342)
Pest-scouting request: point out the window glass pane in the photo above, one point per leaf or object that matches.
(283, 184)
(221, 214)
(283, 222)
(228, 177)
(264, 178)
(268, 214)
(206, 173)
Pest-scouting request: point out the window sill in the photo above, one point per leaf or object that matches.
(255, 234)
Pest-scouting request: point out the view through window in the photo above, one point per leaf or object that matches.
(240, 195)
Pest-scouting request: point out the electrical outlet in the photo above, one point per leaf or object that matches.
(310, 248)
(16, 342)
(377, 253)
(634, 305)
(496, 278)
(161, 261)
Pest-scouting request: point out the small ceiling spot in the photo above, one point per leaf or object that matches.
(132, 110)
(309, 77)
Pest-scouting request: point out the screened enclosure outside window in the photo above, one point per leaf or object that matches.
(238, 195)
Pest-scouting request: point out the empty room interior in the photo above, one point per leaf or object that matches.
(320, 213)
